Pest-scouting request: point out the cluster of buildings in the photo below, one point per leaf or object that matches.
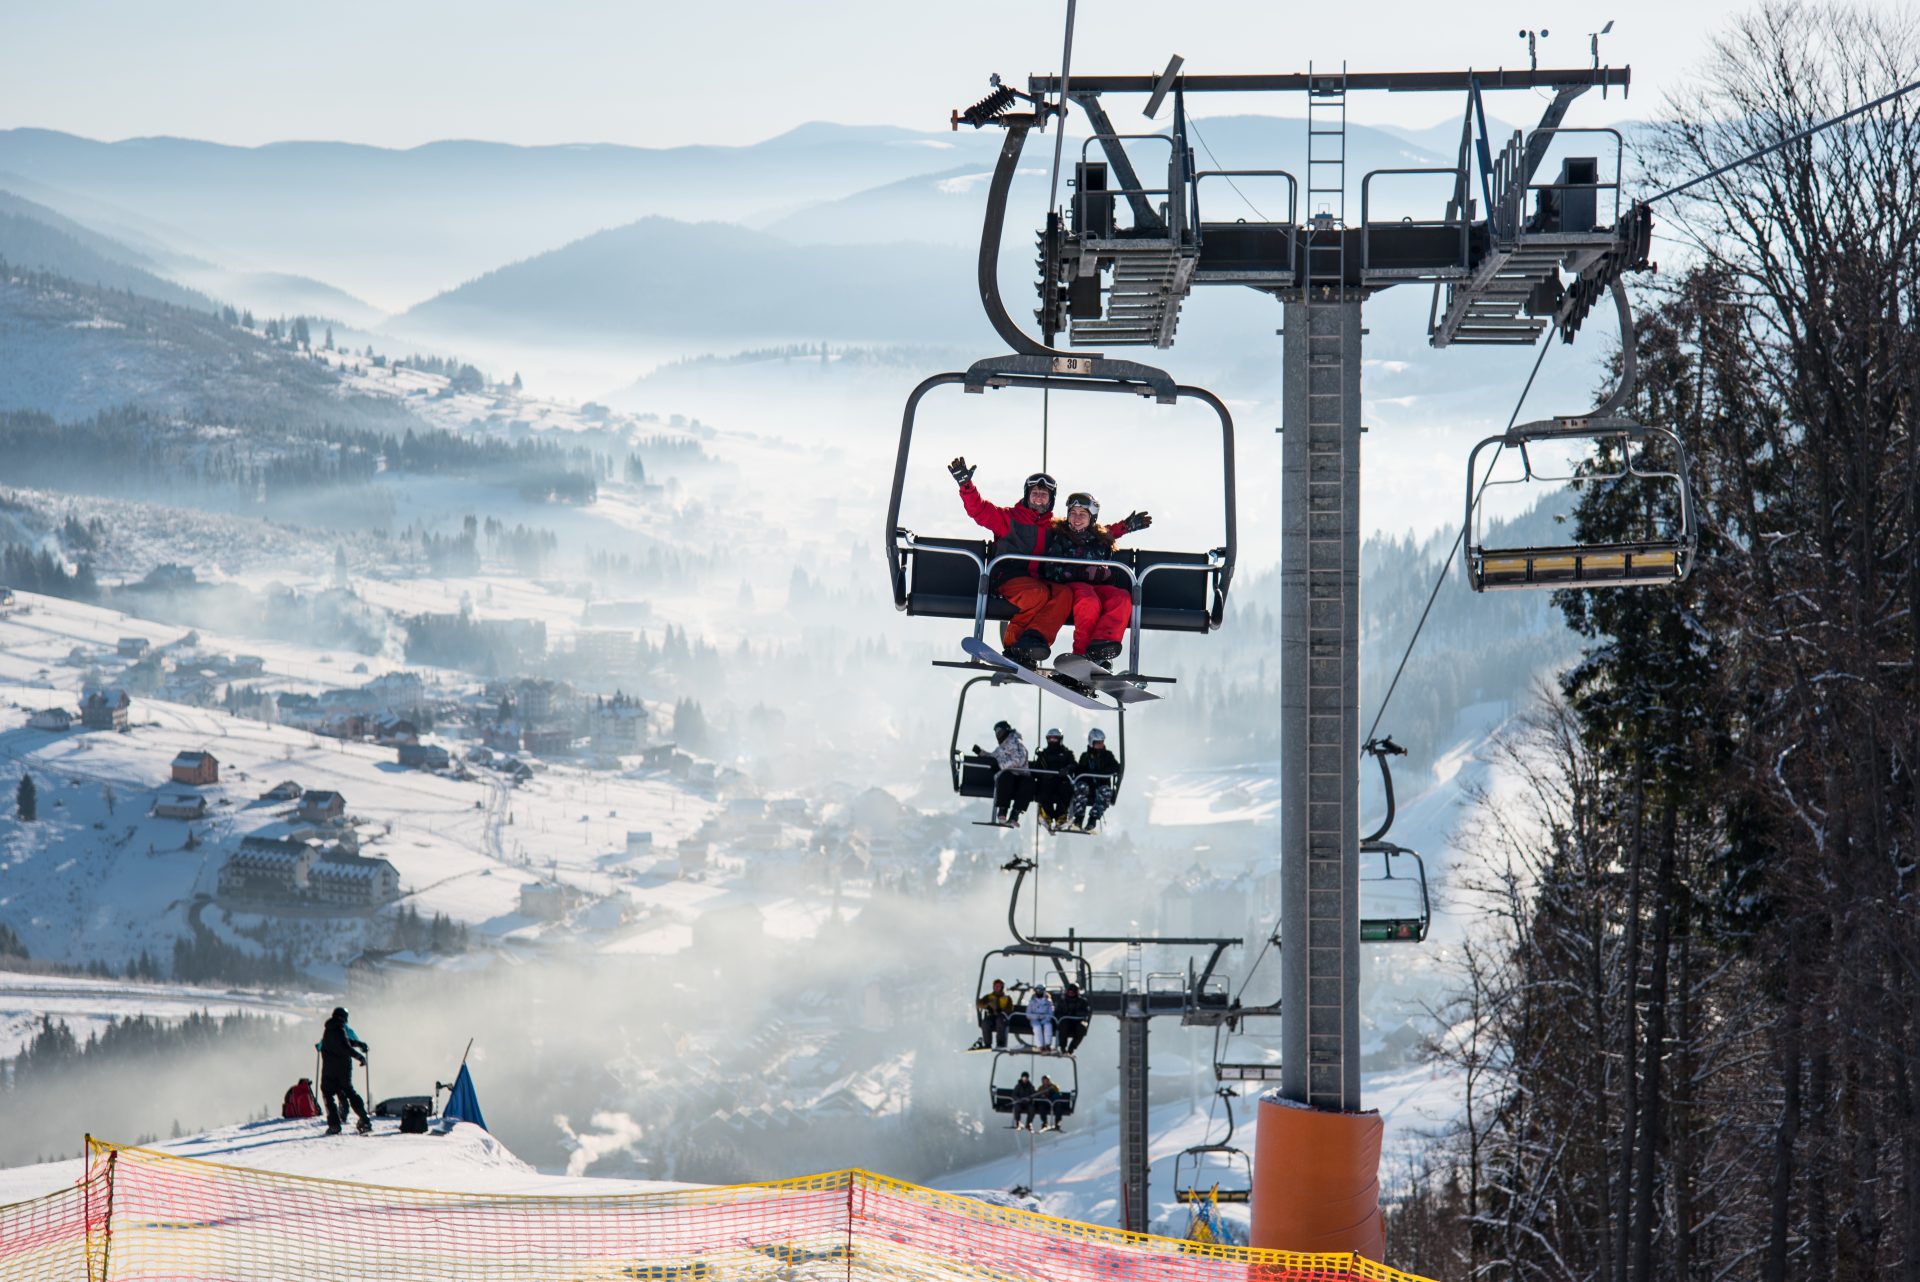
(310, 860)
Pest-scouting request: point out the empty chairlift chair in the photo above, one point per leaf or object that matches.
(1660, 550)
(1216, 1172)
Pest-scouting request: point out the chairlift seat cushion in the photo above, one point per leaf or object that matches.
(1062, 1107)
(1574, 565)
(976, 777)
(945, 587)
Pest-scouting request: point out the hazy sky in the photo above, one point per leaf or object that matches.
(649, 73)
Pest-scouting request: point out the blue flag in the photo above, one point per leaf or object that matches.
(464, 1105)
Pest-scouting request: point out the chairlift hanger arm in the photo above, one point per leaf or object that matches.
(1356, 81)
(991, 230)
(1380, 750)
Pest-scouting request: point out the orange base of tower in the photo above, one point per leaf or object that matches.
(1316, 1180)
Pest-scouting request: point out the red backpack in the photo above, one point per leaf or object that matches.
(299, 1101)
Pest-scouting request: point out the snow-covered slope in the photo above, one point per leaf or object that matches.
(465, 1159)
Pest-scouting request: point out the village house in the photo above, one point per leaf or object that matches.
(181, 806)
(285, 790)
(318, 806)
(424, 756)
(268, 868)
(55, 719)
(130, 647)
(105, 710)
(196, 769)
(352, 881)
(548, 901)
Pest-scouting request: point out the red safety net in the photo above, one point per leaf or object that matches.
(147, 1216)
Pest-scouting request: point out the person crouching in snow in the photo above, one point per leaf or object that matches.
(1040, 608)
(1040, 1019)
(1102, 596)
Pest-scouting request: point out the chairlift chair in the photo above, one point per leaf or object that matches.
(1065, 965)
(973, 777)
(949, 577)
(1664, 555)
(1214, 1172)
(1004, 1076)
(1399, 911)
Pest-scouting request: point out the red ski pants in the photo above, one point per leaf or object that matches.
(1037, 606)
(1101, 612)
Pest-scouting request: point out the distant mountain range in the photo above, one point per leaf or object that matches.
(398, 226)
(714, 282)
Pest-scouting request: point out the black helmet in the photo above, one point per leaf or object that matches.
(1053, 732)
(340, 1012)
(1001, 730)
(1046, 482)
(1080, 498)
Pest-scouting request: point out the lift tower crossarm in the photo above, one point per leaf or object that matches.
(1391, 81)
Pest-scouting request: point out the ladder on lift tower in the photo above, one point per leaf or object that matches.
(1326, 299)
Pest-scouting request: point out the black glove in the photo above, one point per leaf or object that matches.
(962, 474)
(978, 751)
(1136, 520)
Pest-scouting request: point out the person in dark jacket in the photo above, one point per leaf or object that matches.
(1023, 1103)
(1102, 598)
(1046, 1103)
(1054, 792)
(1040, 608)
(1071, 1012)
(1099, 771)
(339, 1051)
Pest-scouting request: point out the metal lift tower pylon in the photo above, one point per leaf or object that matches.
(1512, 257)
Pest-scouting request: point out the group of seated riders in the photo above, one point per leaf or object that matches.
(1073, 793)
(1056, 1026)
(1095, 595)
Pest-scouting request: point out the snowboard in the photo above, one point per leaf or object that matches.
(1089, 673)
(985, 653)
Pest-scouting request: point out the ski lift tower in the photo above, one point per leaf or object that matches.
(1508, 257)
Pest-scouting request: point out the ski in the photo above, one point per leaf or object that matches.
(1089, 673)
(985, 653)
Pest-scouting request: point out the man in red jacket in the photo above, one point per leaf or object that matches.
(1040, 608)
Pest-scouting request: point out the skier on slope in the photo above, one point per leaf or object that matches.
(1102, 596)
(1012, 780)
(1093, 785)
(339, 1049)
(1054, 791)
(1040, 608)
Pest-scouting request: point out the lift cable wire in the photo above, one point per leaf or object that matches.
(1447, 563)
(1053, 200)
(1788, 141)
(1193, 123)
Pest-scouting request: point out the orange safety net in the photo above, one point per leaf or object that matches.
(141, 1216)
